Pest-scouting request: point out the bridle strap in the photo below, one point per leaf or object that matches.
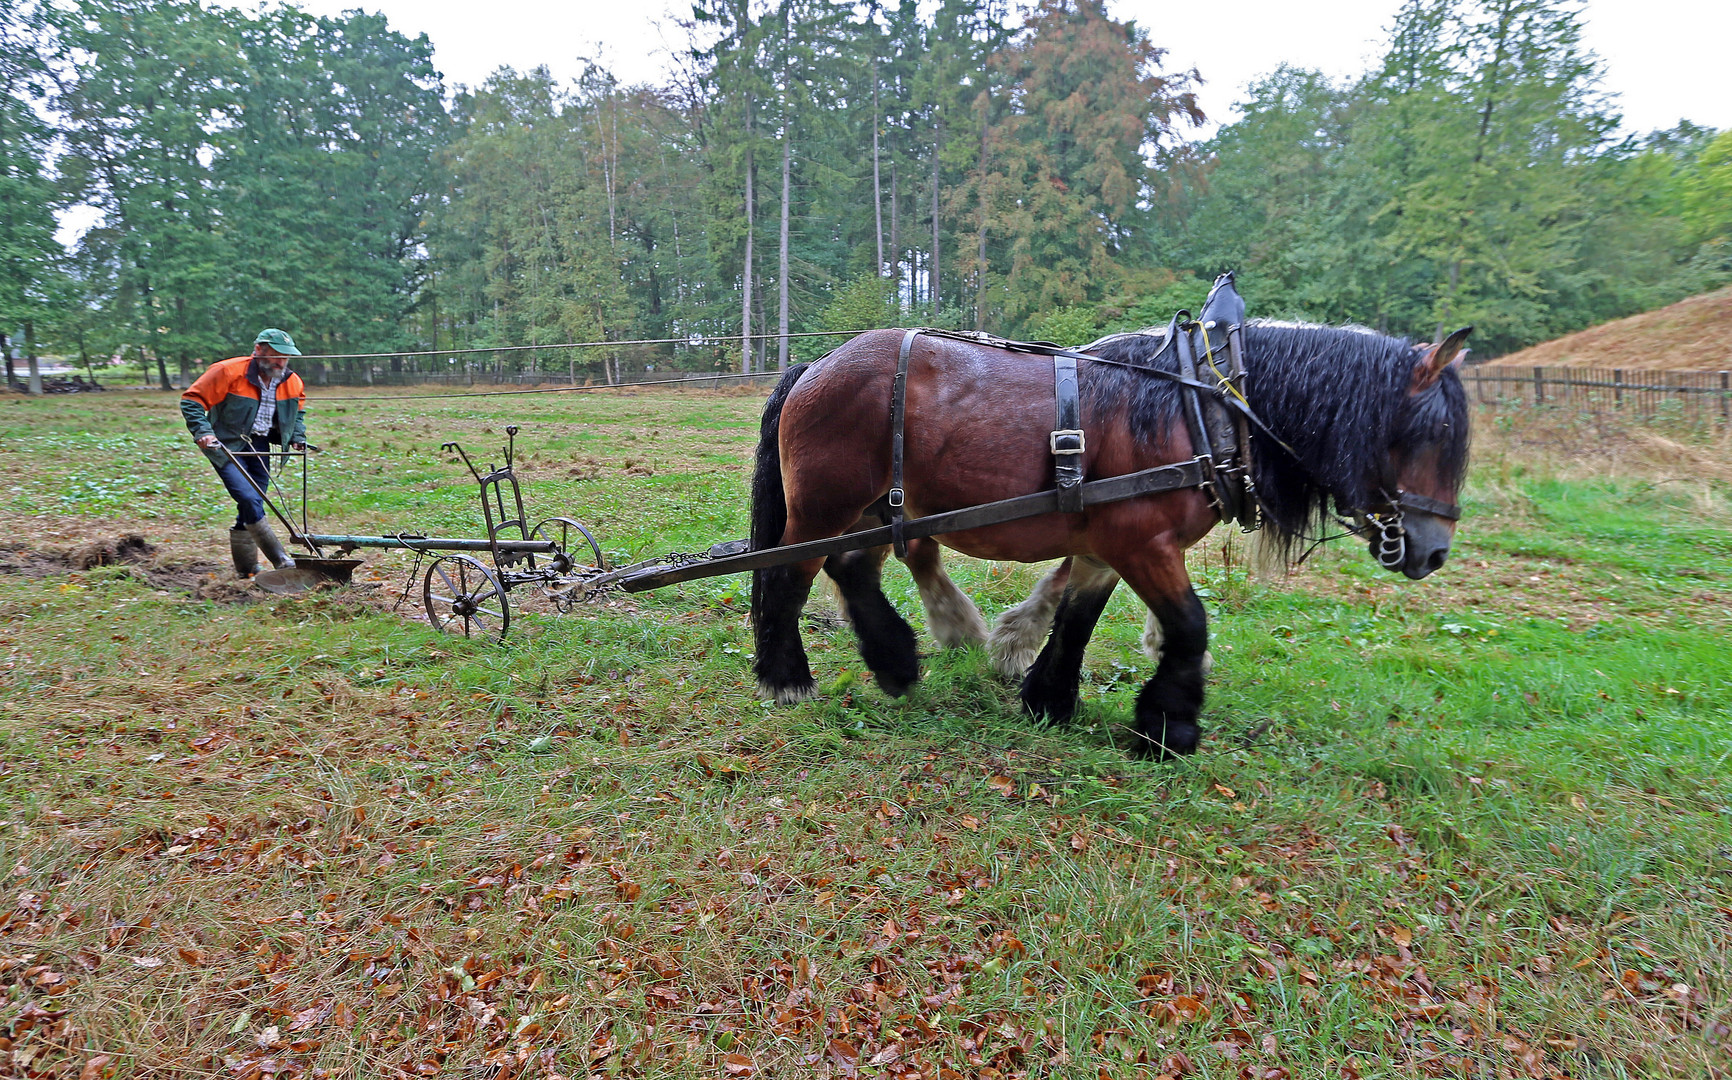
(1407, 500)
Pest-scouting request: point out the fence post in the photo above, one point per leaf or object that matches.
(1618, 387)
(1539, 385)
(1726, 396)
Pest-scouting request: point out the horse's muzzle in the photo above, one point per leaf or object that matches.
(1426, 542)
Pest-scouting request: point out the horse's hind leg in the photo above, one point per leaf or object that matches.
(950, 614)
(886, 639)
(778, 595)
(1018, 632)
(1050, 688)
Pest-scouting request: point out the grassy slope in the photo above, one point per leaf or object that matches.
(1479, 824)
(1690, 335)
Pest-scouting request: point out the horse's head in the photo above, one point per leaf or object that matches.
(1412, 528)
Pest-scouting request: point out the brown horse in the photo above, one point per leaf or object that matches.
(1360, 420)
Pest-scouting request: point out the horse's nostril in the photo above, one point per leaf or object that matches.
(1437, 559)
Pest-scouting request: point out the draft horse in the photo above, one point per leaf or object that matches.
(1354, 422)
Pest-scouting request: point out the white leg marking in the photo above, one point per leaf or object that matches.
(951, 616)
(1152, 637)
(1019, 633)
(787, 695)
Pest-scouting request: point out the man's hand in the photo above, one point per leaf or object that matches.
(298, 447)
(208, 442)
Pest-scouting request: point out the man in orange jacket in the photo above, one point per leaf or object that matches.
(245, 404)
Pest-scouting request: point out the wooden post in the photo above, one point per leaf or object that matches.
(1539, 385)
(1726, 397)
(1618, 387)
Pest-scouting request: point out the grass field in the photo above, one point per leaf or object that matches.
(1475, 826)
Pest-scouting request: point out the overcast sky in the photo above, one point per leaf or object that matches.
(1665, 59)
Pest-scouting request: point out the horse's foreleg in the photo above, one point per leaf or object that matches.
(1050, 688)
(1152, 643)
(1018, 632)
(950, 614)
(1170, 702)
(778, 595)
(886, 639)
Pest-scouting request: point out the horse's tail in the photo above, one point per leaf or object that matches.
(769, 501)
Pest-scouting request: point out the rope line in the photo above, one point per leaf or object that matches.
(586, 345)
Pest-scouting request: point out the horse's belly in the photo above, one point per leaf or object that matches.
(1031, 540)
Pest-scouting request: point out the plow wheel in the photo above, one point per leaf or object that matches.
(463, 597)
(565, 534)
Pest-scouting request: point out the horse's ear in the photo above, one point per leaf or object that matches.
(1435, 358)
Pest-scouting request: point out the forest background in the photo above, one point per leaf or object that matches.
(813, 165)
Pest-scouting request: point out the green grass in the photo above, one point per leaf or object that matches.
(1479, 825)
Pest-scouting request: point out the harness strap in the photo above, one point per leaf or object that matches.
(1192, 408)
(1066, 441)
(898, 413)
(639, 578)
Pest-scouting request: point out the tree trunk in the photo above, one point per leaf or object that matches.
(763, 346)
(1449, 300)
(6, 350)
(746, 273)
(30, 357)
(980, 234)
(877, 189)
(161, 368)
(895, 240)
(937, 138)
(84, 358)
(782, 271)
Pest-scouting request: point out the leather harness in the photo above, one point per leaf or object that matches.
(1220, 436)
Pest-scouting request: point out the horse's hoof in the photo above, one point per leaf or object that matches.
(895, 686)
(1050, 710)
(788, 695)
(1177, 739)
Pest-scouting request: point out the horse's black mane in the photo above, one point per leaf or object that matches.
(1338, 397)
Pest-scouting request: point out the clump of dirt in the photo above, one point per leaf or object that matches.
(110, 551)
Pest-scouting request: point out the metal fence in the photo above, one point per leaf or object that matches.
(1695, 397)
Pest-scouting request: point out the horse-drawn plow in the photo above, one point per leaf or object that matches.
(466, 586)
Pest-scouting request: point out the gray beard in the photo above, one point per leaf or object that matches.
(260, 373)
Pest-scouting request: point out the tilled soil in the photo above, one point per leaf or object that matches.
(140, 558)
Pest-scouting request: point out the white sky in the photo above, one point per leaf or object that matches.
(1665, 60)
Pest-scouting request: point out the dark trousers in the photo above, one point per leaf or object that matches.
(251, 507)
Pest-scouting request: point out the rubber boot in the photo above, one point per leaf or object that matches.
(270, 545)
(244, 551)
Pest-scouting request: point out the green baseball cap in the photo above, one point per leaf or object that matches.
(278, 340)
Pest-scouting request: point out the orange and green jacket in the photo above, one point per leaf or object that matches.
(224, 402)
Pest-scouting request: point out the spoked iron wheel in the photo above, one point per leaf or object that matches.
(463, 597)
(567, 534)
